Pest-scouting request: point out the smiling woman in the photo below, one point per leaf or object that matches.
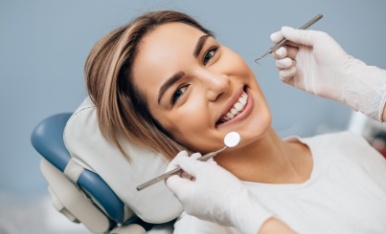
(194, 75)
(163, 81)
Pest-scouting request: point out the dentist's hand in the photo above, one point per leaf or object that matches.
(314, 62)
(211, 193)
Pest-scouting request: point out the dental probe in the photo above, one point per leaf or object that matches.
(230, 140)
(284, 41)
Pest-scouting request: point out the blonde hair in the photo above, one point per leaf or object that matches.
(121, 108)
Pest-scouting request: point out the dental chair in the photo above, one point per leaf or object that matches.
(91, 182)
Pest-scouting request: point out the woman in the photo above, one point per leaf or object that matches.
(163, 81)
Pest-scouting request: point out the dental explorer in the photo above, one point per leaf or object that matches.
(284, 41)
(231, 139)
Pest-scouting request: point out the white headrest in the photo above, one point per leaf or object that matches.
(82, 137)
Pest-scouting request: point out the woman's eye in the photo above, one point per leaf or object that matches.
(209, 55)
(178, 93)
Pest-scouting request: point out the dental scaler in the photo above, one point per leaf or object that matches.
(231, 139)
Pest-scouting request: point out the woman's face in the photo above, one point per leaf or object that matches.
(198, 89)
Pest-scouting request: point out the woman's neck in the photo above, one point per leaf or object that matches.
(269, 160)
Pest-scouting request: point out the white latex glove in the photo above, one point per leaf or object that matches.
(314, 62)
(215, 195)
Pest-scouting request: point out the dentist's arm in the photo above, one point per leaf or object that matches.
(211, 193)
(314, 62)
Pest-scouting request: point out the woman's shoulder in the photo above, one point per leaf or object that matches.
(345, 144)
(340, 139)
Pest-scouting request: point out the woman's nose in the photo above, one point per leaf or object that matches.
(216, 84)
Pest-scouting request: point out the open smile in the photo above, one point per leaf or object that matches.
(236, 110)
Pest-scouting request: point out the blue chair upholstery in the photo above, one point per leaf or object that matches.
(47, 139)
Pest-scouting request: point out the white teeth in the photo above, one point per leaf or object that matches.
(237, 107)
(243, 99)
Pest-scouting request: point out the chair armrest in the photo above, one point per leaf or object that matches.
(72, 202)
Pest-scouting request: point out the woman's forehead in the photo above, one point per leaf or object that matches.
(172, 32)
(168, 43)
(164, 51)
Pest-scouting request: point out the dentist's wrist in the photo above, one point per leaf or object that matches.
(365, 89)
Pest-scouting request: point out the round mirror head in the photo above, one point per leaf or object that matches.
(232, 139)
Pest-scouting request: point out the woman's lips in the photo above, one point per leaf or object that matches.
(239, 111)
(236, 109)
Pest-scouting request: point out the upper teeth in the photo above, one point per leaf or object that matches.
(237, 107)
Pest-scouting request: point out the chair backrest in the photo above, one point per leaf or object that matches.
(76, 156)
(90, 149)
(88, 199)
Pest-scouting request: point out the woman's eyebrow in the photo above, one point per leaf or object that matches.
(173, 79)
(200, 44)
(168, 83)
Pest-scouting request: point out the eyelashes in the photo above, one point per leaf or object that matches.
(180, 91)
(209, 55)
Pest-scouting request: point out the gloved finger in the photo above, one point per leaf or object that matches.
(178, 185)
(284, 63)
(196, 155)
(211, 161)
(276, 37)
(175, 162)
(287, 75)
(280, 53)
(191, 166)
(287, 51)
(304, 37)
(185, 174)
(292, 52)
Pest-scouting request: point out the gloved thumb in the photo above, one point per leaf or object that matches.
(185, 162)
(175, 162)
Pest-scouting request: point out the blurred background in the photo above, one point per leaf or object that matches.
(44, 44)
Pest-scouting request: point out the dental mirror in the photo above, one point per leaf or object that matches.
(231, 139)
